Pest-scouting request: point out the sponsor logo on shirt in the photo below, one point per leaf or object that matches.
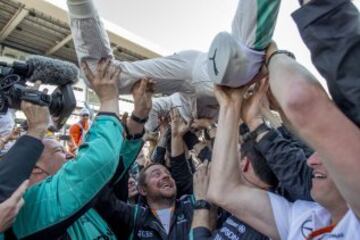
(145, 234)
(333, 236)
(229, 234)
(181, 219)
(240, 227)
(306, 228)
(213, 59)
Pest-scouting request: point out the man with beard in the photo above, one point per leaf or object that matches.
(162, 217)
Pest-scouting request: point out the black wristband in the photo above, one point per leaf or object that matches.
(133, 136)
(202, 204)
(287, 53)
(190, 140)
(243, 129)
(137, 119)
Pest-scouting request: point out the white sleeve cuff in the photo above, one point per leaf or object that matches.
(81, 8)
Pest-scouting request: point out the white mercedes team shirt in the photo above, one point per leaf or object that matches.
(296, 221)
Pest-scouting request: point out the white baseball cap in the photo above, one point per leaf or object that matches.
(84, 111)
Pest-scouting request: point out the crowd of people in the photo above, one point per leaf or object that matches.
(245, 143)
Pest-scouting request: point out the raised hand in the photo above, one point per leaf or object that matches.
(37, 117)
(202, 123)
(11, 207)
(178, 126)
(142, 93)
(201, 180)
(251, 107)
(230, 96)
(104, 82)
(270, 50)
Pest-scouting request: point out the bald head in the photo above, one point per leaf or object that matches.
(51, 160)
(53, 156)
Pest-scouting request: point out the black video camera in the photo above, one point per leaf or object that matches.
(13, 87)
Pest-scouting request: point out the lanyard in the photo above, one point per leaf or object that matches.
(320, 231)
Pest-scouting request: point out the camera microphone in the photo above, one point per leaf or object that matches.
(13, 88)
(47, 70)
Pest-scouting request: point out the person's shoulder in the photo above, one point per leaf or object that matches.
(75, 126)
(301, 204)
(303, 213)
(348, 226)
(305, 208)
(294, 210)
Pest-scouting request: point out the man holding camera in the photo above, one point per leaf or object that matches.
(73, 186)
(15, 169)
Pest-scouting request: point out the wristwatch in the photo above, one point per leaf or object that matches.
(202, 204)
(137, 119)
(133, 136)
(244, 132)
(277, 52)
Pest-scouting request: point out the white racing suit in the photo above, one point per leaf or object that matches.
(185, 72)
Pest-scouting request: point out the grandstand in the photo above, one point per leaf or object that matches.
(41, 28)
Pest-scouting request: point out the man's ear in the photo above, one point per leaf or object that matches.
(142, 191)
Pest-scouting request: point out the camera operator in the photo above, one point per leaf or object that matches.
(59, 204)
(18, 163)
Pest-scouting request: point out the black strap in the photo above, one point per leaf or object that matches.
(285, 52)
(133, 136)
(137, 119)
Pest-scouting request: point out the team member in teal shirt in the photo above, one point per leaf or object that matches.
(60, 205)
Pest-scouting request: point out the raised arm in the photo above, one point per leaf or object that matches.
(142, 94)
(158, 155)
(248, 204)
(180, 169)
(286, 160)
(319, 122)
(204, 220)
(160, 108)
(331, 30)
(77, 183)
(17, 164)
(116, 212)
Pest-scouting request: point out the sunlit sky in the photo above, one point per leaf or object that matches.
(167, 26)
